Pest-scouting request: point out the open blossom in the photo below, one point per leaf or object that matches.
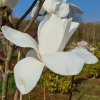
(53, 35)
(9, 3)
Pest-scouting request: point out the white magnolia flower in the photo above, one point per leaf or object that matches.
(53, 34)
(9, 3)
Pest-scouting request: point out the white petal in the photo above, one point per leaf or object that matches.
(47, 6)
(71, 27)
(19, 38)
(9, 3)
(75, 8)
(61, 9)
(64, 63)
(88, 57)
(74, 26)
(64, 41)
(42, 23)
(54, 28)
(32, 53)
(27, 73)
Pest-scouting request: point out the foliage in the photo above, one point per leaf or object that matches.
(57, 83)
(94, 69)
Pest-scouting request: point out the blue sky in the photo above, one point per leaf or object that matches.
(91, 8)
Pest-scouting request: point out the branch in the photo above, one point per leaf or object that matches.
(25, 14)
(35, 16)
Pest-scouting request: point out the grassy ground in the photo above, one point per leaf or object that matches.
(86, 89)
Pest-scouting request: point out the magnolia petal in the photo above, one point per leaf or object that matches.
(27, 73)
(88, 57)
(63, 63)
(9, 3)
(64, 41)
(19, 38)
(61, 9)
(43, 23)
(71, 27)
(54, 28)
(32, 53)
(47, 6)
(75, 8)
(74, 26)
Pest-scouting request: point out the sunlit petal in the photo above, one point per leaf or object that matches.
(51, 34)
(65, 37)
(64, 63)
(47, 6)
(61, 9)
(74, 26)
(19, 38)
(71, 27)
(88, 57)
(43, 23)
(27, 73)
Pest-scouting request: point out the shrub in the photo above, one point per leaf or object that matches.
(57, 83)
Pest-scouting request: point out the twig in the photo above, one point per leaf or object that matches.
(25, 14)
(5, 78)
(16, 92)
(35, 16)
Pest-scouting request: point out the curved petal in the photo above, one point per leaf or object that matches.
(88, 57)
(75, 8)
(9, 3)
(64, 41)
(74, 26)
(64, 63)
(54, 28)
(47, 6)
(27, 73)
(32, 53)
(19, 38)
(42, 23)
(58, 7)
(61, 9)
